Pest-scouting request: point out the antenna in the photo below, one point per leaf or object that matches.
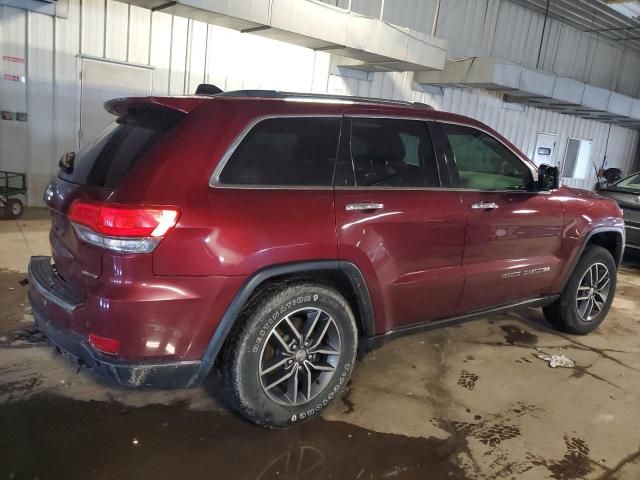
(207, 89)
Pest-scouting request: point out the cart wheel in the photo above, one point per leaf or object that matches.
(14, 208)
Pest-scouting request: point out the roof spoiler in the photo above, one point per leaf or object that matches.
(120, 106)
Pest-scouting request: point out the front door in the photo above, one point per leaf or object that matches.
(403, 231)
(513, 234)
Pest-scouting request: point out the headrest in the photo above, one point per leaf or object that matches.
(377, 143)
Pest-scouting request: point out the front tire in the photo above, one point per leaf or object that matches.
(588, 295)
(292, 353)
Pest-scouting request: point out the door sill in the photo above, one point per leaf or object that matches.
(379, 340)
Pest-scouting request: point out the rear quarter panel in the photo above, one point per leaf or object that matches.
(224, 230)
(223, 234)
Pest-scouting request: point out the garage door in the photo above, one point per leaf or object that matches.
(102, 81)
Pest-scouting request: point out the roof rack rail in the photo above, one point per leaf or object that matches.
(320, 97)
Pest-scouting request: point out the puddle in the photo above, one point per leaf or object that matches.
(57, 437)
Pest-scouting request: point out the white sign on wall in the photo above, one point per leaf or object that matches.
(545, 149)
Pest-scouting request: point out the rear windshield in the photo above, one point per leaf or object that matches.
(106, 160)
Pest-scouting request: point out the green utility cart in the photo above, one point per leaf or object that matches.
(12, 184)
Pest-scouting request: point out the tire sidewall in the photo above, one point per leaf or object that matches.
(591, 256)
(246, 360)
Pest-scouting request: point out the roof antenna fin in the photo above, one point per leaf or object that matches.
(207, 89)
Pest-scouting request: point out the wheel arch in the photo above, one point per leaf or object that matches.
(344, 276)
(610, 238)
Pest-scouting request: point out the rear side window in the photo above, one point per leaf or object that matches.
(483, 162)
(393, 153)
(106, 160)
(286, 151)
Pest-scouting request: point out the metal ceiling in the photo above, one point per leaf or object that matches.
(593, 16)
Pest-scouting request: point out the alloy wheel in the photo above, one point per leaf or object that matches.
(299, 356)
(593, 291)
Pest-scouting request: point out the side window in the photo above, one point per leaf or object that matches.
(483, 163)
(288, 151)
(393, 153)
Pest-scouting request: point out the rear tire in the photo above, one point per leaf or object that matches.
(292, 353)
(587, 297)
(14, 208)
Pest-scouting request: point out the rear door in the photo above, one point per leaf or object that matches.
(513, 235)
(396, 223)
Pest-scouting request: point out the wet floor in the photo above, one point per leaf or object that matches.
(57, 437)
(468, 402)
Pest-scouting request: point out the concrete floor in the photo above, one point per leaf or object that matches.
(465, 402)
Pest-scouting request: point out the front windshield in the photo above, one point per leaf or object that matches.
(630, 182)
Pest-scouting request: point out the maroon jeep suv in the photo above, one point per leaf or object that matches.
(279, 235)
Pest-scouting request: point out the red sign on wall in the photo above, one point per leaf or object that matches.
(8, 58)
(14, 78)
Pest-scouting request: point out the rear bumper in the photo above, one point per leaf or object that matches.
(158, 375)
(144, 325)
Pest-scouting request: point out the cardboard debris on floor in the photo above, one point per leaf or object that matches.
(555, 360)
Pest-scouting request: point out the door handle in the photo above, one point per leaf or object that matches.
(363, 207)
(484, 206)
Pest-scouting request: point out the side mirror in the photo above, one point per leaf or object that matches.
(66, 162)
(548, 177)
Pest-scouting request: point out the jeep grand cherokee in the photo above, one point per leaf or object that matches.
(278, 235)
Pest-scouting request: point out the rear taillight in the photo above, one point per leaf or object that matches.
(129, 229)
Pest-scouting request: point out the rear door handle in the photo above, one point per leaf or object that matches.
(363, 207)
(484, 206)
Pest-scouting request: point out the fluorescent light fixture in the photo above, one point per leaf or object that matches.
(628, 9)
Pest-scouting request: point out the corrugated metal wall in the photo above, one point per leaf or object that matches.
(512, 32)
(184, 53)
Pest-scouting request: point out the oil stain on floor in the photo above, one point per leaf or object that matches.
(515, 335)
